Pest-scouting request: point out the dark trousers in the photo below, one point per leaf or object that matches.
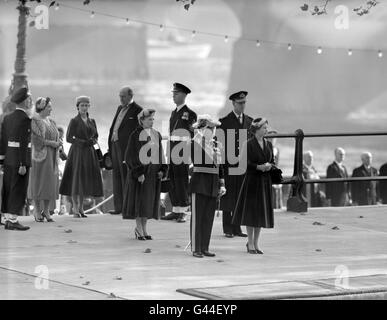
(14, 193)
(119, 176)
(228, 227)
(202, 218)
(178, 193)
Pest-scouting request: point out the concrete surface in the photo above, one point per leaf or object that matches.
(99, 258)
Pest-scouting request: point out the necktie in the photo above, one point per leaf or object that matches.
(240, 119)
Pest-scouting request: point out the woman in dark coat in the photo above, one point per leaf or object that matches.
(82, 175)
(254, 208)
(144, 157)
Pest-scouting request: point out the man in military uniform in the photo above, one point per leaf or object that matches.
(15, 155)
(124, 123)
(207, 184)
(181, 132)
(235, 122)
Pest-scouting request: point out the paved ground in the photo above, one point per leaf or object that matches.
(99, 258)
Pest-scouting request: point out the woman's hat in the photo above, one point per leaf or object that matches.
(205, 120)
(81, 99)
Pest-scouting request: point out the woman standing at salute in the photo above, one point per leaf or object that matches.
(82, 175)
(254, 207)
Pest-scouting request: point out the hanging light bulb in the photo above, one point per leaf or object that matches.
(350, 52)
(225, 39)
(92, 15)
(380, 54)
(57, 6)
(161, 28)
(258, 43)
(319, 50)
(289, 46)
(193, 34)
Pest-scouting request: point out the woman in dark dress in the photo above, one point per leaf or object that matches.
(82, 174)
(145, 160)
(254, 208)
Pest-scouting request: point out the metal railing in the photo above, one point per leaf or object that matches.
(297, 201)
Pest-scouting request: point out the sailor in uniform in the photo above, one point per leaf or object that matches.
(181, 132)
(206, 185)
(15, 156)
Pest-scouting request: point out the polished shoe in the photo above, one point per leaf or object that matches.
(228, 235)
(181, 218)
(171, 216)
(243, 235)
(41, 219)
(114, 212)
(76, 215)
(15, 226)
(250, 250)
(148, 237)
(138, 235)
(197, 254)
(82, 214)
(208, 254)
(259, 251)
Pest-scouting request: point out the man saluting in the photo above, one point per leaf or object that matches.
(181, 132)
(15, 156)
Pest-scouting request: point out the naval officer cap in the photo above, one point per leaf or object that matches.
(20, 95)
(238, 96)
(181, 88)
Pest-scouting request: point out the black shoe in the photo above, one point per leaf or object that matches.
(208, 254)
(82, 214)
(259, 251)
(114, 212)
(171, 216)
(251, 251)
(228, 235)
(148, 237)
(197, 254)
(138, 235)
(181, 218)
(15, 226)
(243, 235)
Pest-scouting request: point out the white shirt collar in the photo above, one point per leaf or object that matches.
(180, 106)
(236, 115)
(339, 164)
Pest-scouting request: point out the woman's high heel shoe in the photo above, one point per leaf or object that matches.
(49, 219)
(82, 214)
(250, 250)
(138, 235)
(148, 237)
(41, 219)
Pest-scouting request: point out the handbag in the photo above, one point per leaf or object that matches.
(99, 155)
(107, 161)
(276, 175)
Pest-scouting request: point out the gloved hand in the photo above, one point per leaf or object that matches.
(90, 142)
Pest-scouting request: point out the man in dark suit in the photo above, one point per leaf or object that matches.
(15, 155)
(364, 192)
(383, 184)
(181, 132)
(234, 123)
(338, 192)
(124, 123)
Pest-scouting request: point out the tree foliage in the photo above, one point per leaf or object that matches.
(322, 9)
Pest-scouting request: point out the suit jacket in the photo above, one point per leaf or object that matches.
(364, 192)
(128, 125)
(231, 122)
(338, 192)
(15, 144)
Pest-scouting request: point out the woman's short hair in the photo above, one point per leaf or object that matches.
(257, 124)
(145, 113)
(41, 104)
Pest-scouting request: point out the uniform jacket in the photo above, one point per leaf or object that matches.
(364, 192)
(207, 183)
(128, 124)
(15, 144)
(231, 122)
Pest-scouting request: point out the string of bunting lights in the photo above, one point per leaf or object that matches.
(257, 42)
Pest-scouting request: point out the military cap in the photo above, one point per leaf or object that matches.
(181, 87)
(238, 95)
(20, 95)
